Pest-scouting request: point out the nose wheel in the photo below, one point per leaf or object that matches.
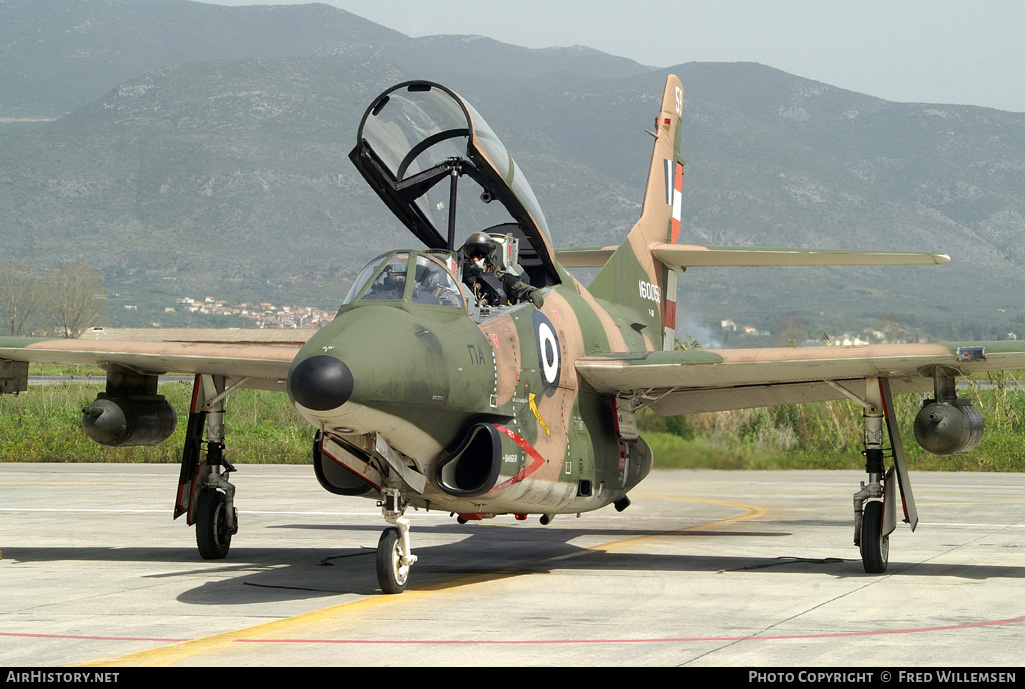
(391, 572)
(394, 554)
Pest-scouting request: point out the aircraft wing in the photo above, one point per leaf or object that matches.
(264, 366)
(686, 382)
(679, 256)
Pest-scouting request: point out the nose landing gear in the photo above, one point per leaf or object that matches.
(394, 554)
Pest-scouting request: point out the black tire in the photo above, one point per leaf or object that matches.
(875, 548)
(391, 575)
(212, 533)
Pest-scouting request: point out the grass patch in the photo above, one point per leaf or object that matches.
(44, 425)
(72, 370)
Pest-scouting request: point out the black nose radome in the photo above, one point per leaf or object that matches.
(320, 383)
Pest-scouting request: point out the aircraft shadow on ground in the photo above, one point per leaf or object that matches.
(253, 575)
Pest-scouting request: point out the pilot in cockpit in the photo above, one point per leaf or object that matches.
(390, 284)
(482, 269)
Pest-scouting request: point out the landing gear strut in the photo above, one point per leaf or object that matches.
(205, 495)
(875, 505)
(868, 502)
(394, 555)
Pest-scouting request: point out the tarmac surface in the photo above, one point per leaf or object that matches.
(705, 568)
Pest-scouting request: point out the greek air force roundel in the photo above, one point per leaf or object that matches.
(548, 353)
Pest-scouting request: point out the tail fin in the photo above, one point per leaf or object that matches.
(634, 280)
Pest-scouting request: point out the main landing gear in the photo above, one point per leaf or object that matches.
(394, 555)
(875, 504)
(205, 495)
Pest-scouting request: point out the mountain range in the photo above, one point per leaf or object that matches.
(185, 149)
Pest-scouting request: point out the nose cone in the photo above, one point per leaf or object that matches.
(320, 383)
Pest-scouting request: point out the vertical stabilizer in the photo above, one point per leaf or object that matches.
(640, 286)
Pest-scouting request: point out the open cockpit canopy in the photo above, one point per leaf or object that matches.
(442, 171)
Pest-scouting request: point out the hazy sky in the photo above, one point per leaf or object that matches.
(937, 51)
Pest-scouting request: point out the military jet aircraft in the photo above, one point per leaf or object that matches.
(427, 395)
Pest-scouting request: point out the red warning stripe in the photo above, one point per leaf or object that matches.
(670, 317)
(537, 463)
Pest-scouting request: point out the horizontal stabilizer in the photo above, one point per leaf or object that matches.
(592, 257)
(679, 256)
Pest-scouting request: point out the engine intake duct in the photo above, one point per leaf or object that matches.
(334, 476)
(473, 467)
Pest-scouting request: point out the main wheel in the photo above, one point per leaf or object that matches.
(213, 536)
(875, 548)
(391, 573)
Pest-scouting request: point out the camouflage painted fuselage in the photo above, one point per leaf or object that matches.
(425, 377)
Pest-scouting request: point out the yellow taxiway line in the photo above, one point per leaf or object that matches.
(173, 653)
